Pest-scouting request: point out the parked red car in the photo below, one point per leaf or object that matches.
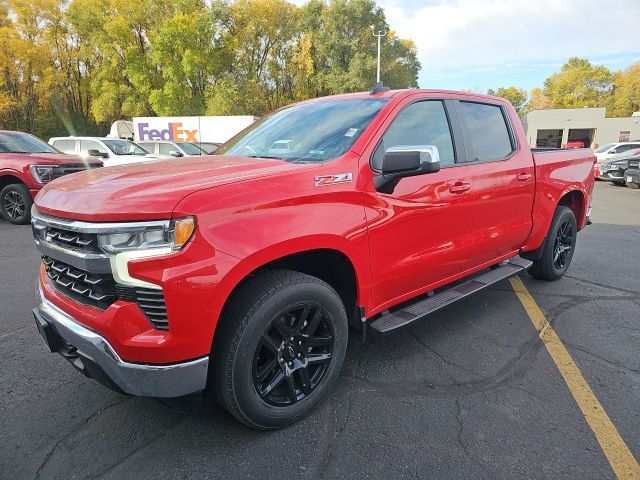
(238, 274)
(26, 165)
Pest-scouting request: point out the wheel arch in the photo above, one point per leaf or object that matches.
(9, 179)
(330, 264)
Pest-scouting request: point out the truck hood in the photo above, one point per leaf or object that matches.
(147, 190)
(52, 159)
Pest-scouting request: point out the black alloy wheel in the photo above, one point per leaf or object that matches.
(278, 349)
(293, 355)
(563, 244)
(15, 204)
(559, 246)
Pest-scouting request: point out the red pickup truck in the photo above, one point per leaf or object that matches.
(238, 274)
(26, 165)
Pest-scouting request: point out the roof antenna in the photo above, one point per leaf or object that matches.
(378, 88)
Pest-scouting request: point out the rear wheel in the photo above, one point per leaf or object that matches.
(279, 349)
(559, 246)
(15, 204)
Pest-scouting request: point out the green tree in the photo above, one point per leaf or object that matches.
(516, 96)
(626, 92)
(579, 84)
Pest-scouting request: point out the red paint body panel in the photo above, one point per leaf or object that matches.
(17, 165)
(252, 211)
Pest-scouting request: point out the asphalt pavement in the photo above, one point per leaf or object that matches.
(471, 392)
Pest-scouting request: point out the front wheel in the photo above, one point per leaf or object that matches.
(559, 246)
(279, 349)
(15, 204)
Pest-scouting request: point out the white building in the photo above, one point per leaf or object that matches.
(558, 127)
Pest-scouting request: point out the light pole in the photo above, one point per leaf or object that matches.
(378, 34)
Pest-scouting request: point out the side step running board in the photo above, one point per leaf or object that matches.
(416, 311)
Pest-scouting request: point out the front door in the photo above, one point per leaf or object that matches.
(419, 235)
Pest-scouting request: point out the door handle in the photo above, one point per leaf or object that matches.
(459, 187)
(523, 177)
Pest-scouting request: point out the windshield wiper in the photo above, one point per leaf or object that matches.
(265, 156)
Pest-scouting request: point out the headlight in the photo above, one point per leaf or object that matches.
(42, 173)
(173, 234)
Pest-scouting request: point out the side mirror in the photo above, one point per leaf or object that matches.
(97, 153)
(406, 161)
(175, 153)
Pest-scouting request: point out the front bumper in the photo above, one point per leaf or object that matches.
(611, 175)
(92, 354)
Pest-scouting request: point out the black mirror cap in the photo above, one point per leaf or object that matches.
(406, 161)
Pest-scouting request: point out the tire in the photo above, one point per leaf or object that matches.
(15, 204)
(559, 246)
(253, 342)
(633, 186)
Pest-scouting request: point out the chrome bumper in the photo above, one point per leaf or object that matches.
(93, 355)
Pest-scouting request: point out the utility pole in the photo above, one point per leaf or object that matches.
(379, 34)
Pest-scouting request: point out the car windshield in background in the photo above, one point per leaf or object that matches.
(604, 148)
(310, 132)
(190, 148)
(124, 147)
(14, 142)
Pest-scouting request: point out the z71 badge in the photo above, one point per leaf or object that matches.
(324, 180)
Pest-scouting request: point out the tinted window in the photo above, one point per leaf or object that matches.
(165, 148)
(421, 123)
(487, 129)
(86, 145)
(65, 146)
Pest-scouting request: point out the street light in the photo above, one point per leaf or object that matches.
(378, 34)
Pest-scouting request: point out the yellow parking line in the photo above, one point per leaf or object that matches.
(624, 465)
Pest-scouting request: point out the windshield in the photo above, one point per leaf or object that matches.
(124, 147)
(604, 148)
(190, 148)
(309, 132)
(17, 142)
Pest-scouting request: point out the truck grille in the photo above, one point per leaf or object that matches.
(62, 170)
(100, 291)
(87, 288)
(84, 242)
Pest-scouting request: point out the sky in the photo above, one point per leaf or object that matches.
(482, 44)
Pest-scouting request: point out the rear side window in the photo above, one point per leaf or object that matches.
(65, 146)
(488, 131)
(421, 123)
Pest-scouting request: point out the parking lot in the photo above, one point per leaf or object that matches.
(472, 392)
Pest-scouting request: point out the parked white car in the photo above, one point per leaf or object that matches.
(611, 149)
(174, 149)
(112, 151)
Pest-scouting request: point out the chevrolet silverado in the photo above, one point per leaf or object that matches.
(238, 274)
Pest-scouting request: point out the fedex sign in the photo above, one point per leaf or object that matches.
(174, 131)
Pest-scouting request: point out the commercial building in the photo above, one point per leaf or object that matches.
(571, 127)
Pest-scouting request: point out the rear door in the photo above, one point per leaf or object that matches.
(419, 235)
(503, 181)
